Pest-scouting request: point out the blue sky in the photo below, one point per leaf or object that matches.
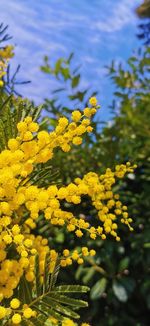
(97, 31)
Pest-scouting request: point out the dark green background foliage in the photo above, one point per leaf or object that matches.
(119, 275)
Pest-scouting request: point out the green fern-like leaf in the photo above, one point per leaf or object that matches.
(49, 304)
(67, 300)
(46, 274)
(13, 110)
(25, 291)
(3, 141)
(71, 289)
(37, 277)
(54, 275)
(43, 175)
(47, 299)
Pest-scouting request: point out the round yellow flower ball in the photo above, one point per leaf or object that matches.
(15, 303)
(16, 319)
(2, 312)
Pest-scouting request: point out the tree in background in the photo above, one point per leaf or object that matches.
(143, 12)
(119, 276)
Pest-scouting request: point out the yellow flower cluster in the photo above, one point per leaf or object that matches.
(21, 202)
(66, 322)
(68, 257)
(17, 315)
(5, 54)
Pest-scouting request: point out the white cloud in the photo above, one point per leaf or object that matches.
(121, 14)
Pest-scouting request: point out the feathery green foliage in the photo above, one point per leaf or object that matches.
(13, 110)
(48, 298)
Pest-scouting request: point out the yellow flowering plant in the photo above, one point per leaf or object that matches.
(28, 266)
(29, 294)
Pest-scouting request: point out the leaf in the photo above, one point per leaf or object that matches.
(65, 73)
(25, 290)
(53, 302)
(36, 112)
(146, 245)
(3, 141)
(59, 308)
(71, 289)
(46, 69)
(67, 300)
(54, 275)
(8, 121)
(46, 273)
(75, 81)
(58, 65)
(37, 276)
(120, 291)
(124, 263)
(24, 322)
(58, 90)
(13, 110)
(78, 96)
(98, 288)
(47, 311)
(37, 321)
(60, 237)
(42, 319)
(91, 271)
(4, 103)
(70, 57)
